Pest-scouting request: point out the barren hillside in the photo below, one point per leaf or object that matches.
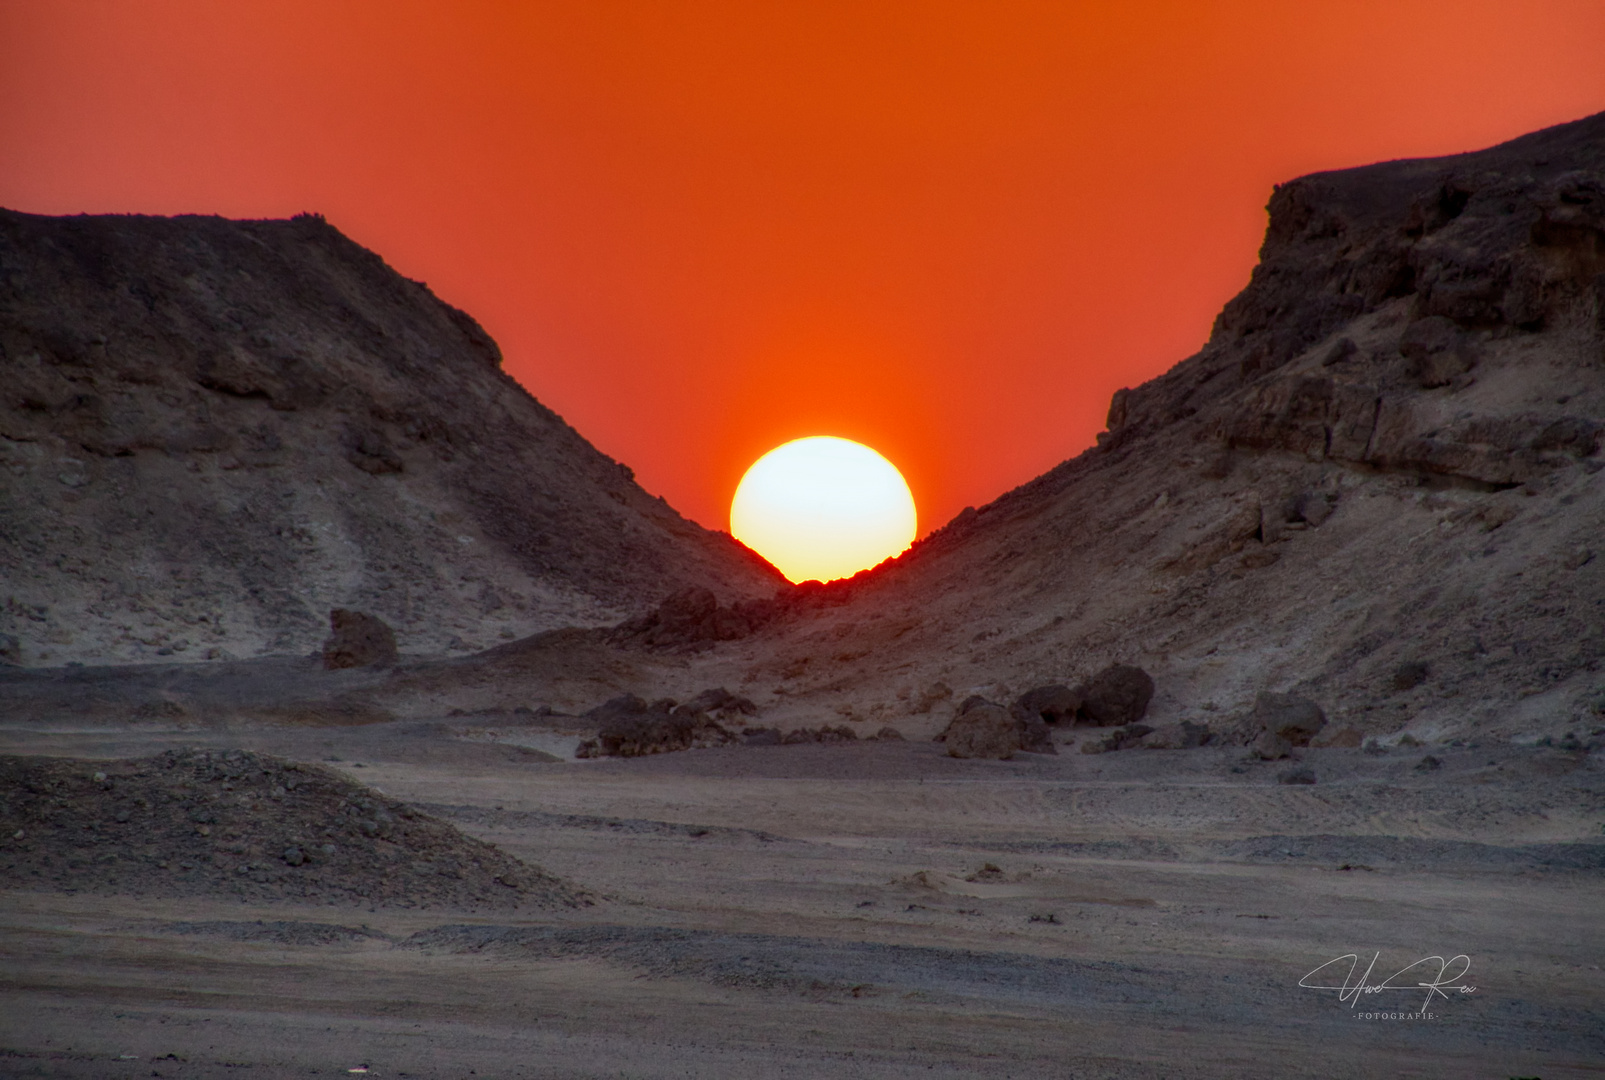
(212, 432)
(1378, 484)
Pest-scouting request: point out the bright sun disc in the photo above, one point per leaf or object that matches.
(823, 508)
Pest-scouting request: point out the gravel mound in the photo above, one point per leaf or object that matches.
(236, 823)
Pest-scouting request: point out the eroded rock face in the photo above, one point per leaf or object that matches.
(357, 639)
(242, 424)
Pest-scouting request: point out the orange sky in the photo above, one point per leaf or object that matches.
(701, 229)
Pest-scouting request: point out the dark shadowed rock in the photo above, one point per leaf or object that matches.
(357, 640)
(983, 730)
(630, 727)
(1297, 776)
(888, 734)
(1056, 704)
(1119, 694)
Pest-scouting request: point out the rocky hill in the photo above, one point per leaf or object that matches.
(1379, 485)
(213, 432)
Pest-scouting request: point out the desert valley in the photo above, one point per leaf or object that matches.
(359, 717)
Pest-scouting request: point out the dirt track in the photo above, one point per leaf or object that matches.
(867, 911)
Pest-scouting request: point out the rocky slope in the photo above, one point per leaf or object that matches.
(212, 432)
(1379, 484)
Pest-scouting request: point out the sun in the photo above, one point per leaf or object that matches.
(823, 508)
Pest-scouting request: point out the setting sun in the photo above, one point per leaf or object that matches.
(823, 508)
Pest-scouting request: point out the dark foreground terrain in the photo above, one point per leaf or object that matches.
(856, 910)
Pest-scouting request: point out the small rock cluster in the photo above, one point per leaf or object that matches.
(1273, 727)
(247, 825)
(1117, 695)
(1115, 700)
(629, 726)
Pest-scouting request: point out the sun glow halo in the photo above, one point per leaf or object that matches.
(823, 508)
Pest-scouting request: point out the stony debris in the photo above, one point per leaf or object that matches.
(1122, 738)
(357, 639)
(247, 825)
(628, 726)
(1180, 736)
(826, 734)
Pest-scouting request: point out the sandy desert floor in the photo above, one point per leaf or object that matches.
(868, 910)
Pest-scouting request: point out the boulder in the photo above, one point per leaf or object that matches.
(1119, 694)
(983, 730)
(357, 639)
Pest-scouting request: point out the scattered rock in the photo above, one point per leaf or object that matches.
(1123, 738)
(630, 727)
(1428, 764)
(1119, 694)
(357, 640)
(762, 736)
(1297, 776)
(983, 730)
(1182, 736)
(888, 734)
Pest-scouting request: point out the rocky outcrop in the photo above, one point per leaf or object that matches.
(214, 431)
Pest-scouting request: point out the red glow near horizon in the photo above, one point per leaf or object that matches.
(700, 230)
